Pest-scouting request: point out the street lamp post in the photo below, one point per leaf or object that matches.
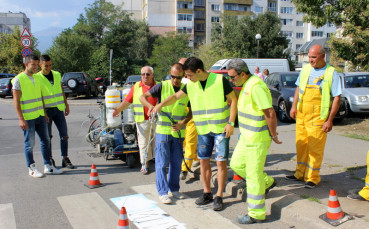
(257, 37)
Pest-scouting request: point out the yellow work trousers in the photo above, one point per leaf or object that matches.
(365, 191)
(310, 137)
(248, 161)
(190, 145)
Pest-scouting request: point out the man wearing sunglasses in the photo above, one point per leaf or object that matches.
(258, 127)
(170, 131)
(209, 94)
(145, 128)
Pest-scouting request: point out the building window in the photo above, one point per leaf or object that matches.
(299, 13)
(215, 19)
(200, 3)
(200, 14)
(243, 7)
(215, 7)
(184, 5)
(272, 6)
(184, 17)
(286, 21)
(299, 35)
(317, 33)
(285, 0)
(229, 6)
(330, 24)
(184, 29)
(199, 27)
(258, 9)
(286, 10)
(298, 46)
(299, 23)
(288, 34)
(329, 34)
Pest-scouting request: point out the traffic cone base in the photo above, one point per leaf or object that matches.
(94, 181)
(237, 179)
(123, 222)
(334, 216)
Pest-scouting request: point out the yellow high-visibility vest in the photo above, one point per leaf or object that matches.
(53, 94)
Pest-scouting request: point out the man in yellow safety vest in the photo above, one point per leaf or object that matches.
(314, 112)
(209, 94)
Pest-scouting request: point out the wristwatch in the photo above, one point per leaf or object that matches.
(231, 123)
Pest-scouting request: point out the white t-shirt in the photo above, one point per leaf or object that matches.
(16, 83)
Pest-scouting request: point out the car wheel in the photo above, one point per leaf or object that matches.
(2, 96)
(131, 160)
(348, 109)
(72, 83)
(66, 95)
(282, 112)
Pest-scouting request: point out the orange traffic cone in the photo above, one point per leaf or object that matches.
(123, 222)
(334, 216)
(236, 178)
(94, 181)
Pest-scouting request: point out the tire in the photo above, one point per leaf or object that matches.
(94, 125)
(348, 109)
(88, 93)
(131, 160)
(282, 112)
(72, 83)
(66, 95)
(2, 96)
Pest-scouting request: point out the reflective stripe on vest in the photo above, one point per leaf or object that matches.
(176, 111)
(30, 101)
(210, 111)
(326, 89)
(53, 94)
(252, 122)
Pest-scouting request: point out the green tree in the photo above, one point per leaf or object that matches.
(167, 51)
(209, 55)
(11, 59)
(71, 52)
(236, 38)
(352, 18)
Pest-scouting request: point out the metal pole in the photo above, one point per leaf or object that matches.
(257, 52)
(111, 57)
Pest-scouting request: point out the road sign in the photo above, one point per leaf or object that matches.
(26, 33)
(26, 52)
(26, 42)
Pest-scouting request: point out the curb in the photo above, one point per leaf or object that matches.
(288, 207)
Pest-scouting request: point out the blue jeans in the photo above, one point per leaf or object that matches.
(168, 152)
(57, 116)
(38, 125)
(207, 142)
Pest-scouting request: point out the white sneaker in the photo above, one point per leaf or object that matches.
(33, 172)
(178, 195)
(50, 169)
(165, 199)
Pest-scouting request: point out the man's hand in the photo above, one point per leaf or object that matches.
(116, 112)
(228, 129)
(178, 126)
(327, 126)
(23, 124)
(293, 112)
(67, 111)
(276, 140)
(156, 109)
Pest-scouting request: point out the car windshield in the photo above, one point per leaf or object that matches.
(4, 81)
(133, 79)
(357, 81)
(289, 81)
(67, 76)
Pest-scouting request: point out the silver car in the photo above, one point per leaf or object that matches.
(355, 90)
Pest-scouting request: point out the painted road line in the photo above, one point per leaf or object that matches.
(88, 210)
(7, 219)
(186, 211)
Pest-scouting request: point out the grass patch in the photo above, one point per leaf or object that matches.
(332, 166)
(356, 136)
(313, 199)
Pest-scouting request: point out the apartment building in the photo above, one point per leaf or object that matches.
(8, 21)
(197, 17)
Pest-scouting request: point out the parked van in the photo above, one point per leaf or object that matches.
(273, 65)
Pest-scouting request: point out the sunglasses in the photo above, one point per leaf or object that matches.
(147, 74)
(176, 77)
(232, 77)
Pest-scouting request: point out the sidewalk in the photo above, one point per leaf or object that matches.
(290, 202)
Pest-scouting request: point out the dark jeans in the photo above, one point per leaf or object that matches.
(39, 126)
(57, 116)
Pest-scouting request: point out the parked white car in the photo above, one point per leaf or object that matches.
(355, 90)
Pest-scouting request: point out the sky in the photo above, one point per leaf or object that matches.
(47, 13)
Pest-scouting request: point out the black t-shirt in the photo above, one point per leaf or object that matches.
(227, 88)
(155, 92)
(50, 77)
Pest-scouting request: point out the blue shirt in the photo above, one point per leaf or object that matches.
(336, 89)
